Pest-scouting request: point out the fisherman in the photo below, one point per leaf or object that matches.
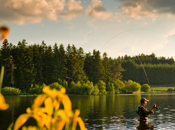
(144, 114)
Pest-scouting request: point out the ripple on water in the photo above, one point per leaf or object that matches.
(172, 110)
(160, 115)
(165, 108)
(168, 116)
(166, 126)
(158, 111)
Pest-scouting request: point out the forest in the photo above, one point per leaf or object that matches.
(38, 64)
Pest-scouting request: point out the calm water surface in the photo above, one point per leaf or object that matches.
(105, 112)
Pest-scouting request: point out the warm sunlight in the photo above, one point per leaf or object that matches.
(87, 64)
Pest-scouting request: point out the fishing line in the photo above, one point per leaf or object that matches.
(138, 56)
(144, 71)
(129, 31)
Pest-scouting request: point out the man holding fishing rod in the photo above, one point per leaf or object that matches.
(144, 114)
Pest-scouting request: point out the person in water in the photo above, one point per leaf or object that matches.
(144, 114)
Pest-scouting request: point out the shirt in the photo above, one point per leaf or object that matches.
(143, 113)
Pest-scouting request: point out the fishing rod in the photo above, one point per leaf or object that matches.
(138, 56)
(146, 77)
(144, 71)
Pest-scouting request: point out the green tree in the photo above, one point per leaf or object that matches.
(97, 67)
(28, 69)
(96, 90)
(131, 86)
(75, 64)
(37, 61)
(88, 66)
(118, 85)
(6, 60)
(101, 86)
(110, 88)
(55, 85)
(55, 63)
(107, 71)
(48, 65)
(19, 61)
(145, 88)
(62, 73)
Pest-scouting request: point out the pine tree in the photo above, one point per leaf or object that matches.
(97, 67)
(88, 65)
(75, 64)
(8, 62)
(37, 61)
(107, 71)
(48, 65)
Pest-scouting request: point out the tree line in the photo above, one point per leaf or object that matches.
(26, 65)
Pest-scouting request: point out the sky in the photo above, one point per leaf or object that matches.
(117, 27)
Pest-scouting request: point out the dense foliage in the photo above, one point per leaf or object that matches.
(10, 91)
(145, 88)
(28, 67)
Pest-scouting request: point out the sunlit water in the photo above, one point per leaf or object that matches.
(105, 112)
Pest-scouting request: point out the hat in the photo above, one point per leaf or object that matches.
(143, 99)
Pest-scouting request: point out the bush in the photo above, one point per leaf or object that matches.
(75, 88)
(36, 89)
(119, 85)
(96, 90)
(10, 91)
(170, 89)
(131, 87)
(110, 88)
(101, 86)
(145, 88)
(85, 88)
(63, 83)
(55, 85)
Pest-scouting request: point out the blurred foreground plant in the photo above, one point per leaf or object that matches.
(3, 105)
(4, 31)
(50, 116)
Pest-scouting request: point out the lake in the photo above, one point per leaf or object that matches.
(105, 112)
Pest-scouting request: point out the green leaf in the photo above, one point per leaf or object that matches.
(10, 127)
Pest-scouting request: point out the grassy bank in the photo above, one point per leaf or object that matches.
(162, 88)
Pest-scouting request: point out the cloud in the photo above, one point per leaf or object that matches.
(132, 8)
(34, 11)
(168, 45)
(148, 8)
(73, 8)
(98, 11)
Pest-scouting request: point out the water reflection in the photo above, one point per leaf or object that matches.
(145, 126)
(17, 106)
(105, 112)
